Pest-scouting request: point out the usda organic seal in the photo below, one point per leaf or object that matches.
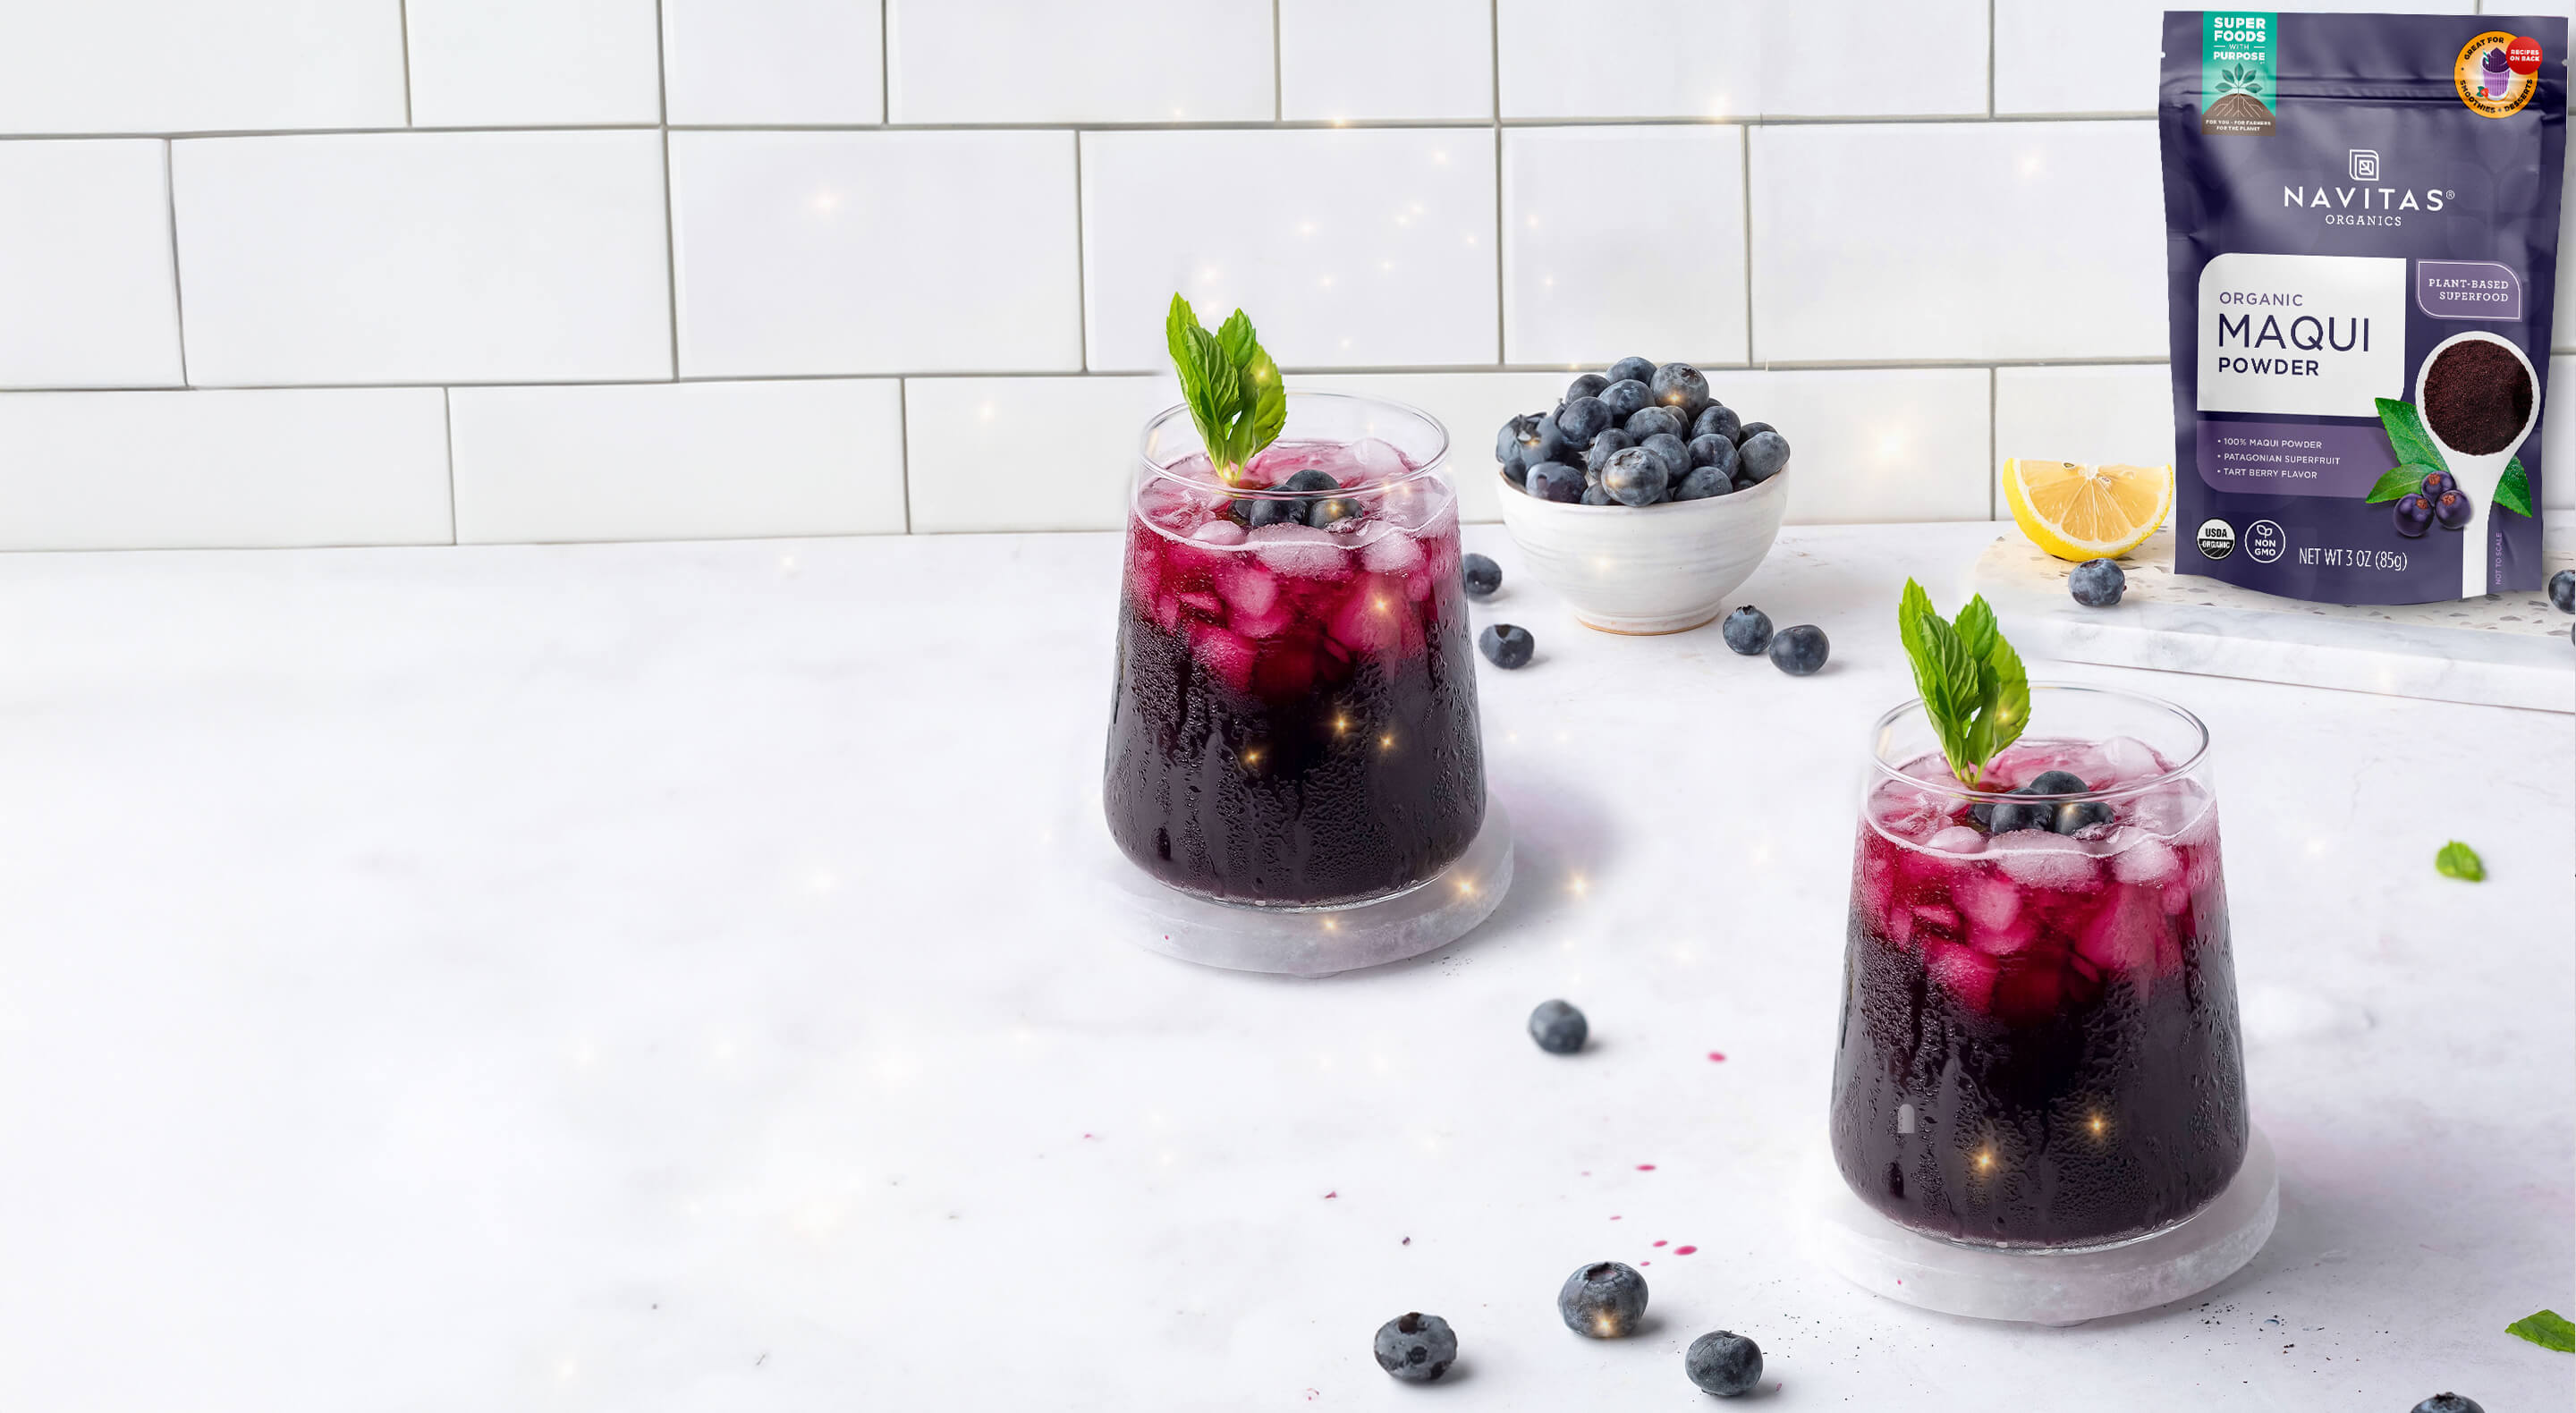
(2217, 538)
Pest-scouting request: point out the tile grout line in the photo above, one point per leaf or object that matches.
(670, 223)
(1994, 436)
(1744, 152)
(1081, 262)
(1990, 58)
(178, 299)
(1278, 70)
(885, 78)
(447, 420)
(402, 17)
(903, 445)
(1502, 294)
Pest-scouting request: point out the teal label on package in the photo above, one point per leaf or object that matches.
(2238, 73)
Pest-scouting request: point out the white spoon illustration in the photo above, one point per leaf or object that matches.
(2477, 475)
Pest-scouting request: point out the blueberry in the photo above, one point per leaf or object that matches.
(1320, 507)
(1556, 481)
(1582, 419)
(1745, 432)
(2436, 482)
(1625, 397)
(1558, 1027)
(2074, 815)
(1589, 385)
(1309, 481)
(1717, 418)
(1669, 450)
(2451, 510)
(1747, 630)
(1679, 385)
(1598, 456)
(1516, 473)
(1538, 437)
(2414, 515)
(1702, 483)
(1710, 449)
(1799, 651)
(1506, 645)
(1604, 1300)
(1594, 495)
(2055, 782)
(2006, 816)
(1507, 443)
(1763, 454)
(1721, 1362)
(1334, 513)
(1416, 1348)
(1635, 477)
(1271, 510)
(1481, 575)
(2562, 590)
(1744, 482)
(2097, 583)
(1656, 421)
(2448, 1403)
(1632, 370)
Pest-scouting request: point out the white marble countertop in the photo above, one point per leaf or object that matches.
(645, 977)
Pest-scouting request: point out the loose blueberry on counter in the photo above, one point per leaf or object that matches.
(2436, 482)
(1702, 483)
(1656, 420)
(2414, 515)
(1416, 1348)
(1598, 455)
(1506, 645)
(1588, 385)
(1604, 1300)
(1632, 369)
(1717, 418)
(1625, 397)
(1747, 431)
(1680, 386)
(1763, 454)
(2451, 510)
(2097, 583)
(1747, 631)
(1582, 419)
(1558, 1027)
(1799, 651)
(1635, 476)
(1556, 481)
(1594, 495)
(1481, 575)
(2449, 1403)
(2562, 590)
(1710, 449)
(1724, 1363)
(1669, 450)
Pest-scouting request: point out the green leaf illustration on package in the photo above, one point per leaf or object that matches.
(2405, 480)
(2546, 1328)
(2406, 433)
(1972, 682)
(2240, 78)
(2514, 491)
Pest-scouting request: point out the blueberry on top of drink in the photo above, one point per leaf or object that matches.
(1704, 448)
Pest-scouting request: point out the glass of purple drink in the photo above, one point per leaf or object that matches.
(1295, 718)
(2039, 1042)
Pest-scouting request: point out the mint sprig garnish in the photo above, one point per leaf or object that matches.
(2546, 1328)
(2458, 860)
(1230, 384)
(1971, 680)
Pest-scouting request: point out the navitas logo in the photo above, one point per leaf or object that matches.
(2363, 164)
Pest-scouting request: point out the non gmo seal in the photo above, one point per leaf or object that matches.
(2264, 541)
(2217, 538)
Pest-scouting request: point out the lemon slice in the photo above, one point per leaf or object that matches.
(2079, 512)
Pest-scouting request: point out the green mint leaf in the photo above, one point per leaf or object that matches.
(1265, 401)
(1235, 337)
(2005, 687)
(2458, 860)
(2546, 1328)
(2514, 491)
(2406, 434)
(2405, 480)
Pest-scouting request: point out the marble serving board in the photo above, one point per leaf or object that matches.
(2502, 650)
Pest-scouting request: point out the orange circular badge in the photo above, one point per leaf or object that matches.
(2497, 73)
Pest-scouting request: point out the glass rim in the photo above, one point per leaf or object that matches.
(1429, 466)
(1914, 705)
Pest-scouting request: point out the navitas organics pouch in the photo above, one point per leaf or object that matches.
(2361, 217)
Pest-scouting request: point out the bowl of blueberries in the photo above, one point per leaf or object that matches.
(1642, 499)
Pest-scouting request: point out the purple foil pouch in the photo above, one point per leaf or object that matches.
(2361, 235)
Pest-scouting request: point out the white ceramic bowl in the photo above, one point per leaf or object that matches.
(1651, 568)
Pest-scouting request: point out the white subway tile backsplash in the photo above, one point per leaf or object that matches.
(181, 470)
(1875, 444)
(1631, 58)
(882, 252)
(1658, 272)
(820, 456)
(1348, 247)
(1865, 58)
(116, 66)
(1957, 241)
(2118, 413)
(86, 297)
(2558, 446)
(1472, 406)
(789, 62)
(397, 258)
(1102, 61)
(2102, 56)
(972, 443)
(495, 63)
(1351, 59)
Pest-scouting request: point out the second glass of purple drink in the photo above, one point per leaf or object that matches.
(1295, 724)
(2039, 1043)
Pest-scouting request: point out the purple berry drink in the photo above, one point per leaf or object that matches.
(2039, 1044)
(1295, 716)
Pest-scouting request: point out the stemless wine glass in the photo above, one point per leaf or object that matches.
(2039, 1040)
(1295, 717)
